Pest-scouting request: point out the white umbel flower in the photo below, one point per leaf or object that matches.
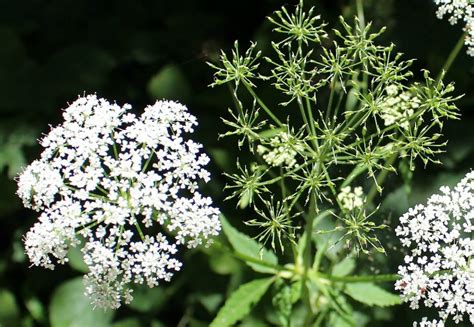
(439, 267)
(459, 10)
(398, 106)
(281, 150)
(119, 183)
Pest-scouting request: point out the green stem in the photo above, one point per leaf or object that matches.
(360, 13)
(303, 115)
(236, 101)
(317, 275)
(142, 236)
(263, 105)
(336, 110)
(381, 178)
(309, 233)
(357, 279)
(452, 56)
(331, 97)
(311, 120)
(309, 123)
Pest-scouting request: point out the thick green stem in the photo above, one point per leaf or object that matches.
(360, 12)
(357, 279)
(286, 273)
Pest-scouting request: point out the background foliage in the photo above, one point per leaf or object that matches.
(138, 51)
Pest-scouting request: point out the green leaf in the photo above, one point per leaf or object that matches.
(128, 322)
(344, 267)
(271, 132)
(371, 294)
(35, 308)
(169, 83)
(76, 260)
(359, 320)
(396, 202)
(147, 299)
(8, 308)
(250, 248)
(71, 308)
(210, 301)
(223, 263)
(11, 148)
(222, 158)
(352, 99)
(241, 302)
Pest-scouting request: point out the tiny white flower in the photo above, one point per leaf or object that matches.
(398, 106)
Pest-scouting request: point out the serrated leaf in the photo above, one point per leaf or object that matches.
(371, 294)
(71, 308)
(239, 304)
(249, 247)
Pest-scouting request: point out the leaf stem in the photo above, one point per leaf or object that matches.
(263, 105)
(357, 278)
(381, 178)
(452, 56)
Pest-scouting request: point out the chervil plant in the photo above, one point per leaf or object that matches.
(125, 187)
(348, 114)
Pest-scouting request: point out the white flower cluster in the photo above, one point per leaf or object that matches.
(111, 179)
(351, 199)
(459, 10)
(439, 267)
(398, 106)
(282, 150)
